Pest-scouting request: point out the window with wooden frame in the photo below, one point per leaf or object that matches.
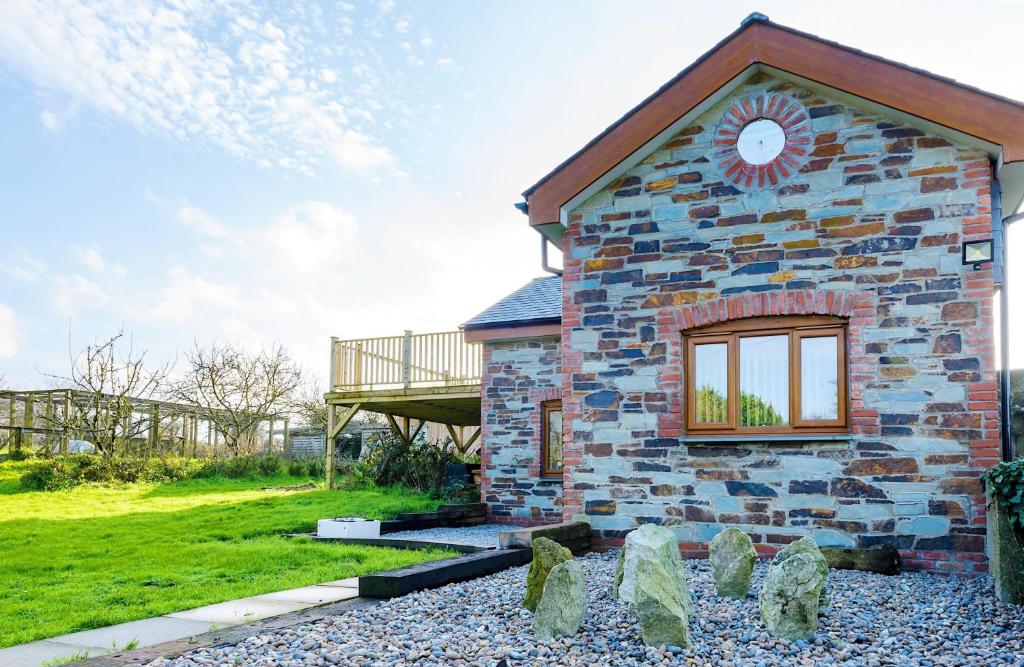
(551, 463)
(782, 375)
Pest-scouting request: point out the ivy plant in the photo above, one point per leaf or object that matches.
(1005, 482)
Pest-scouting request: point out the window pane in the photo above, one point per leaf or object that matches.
(554, 440)
(764, 381)
(819, 378)
(711, 383)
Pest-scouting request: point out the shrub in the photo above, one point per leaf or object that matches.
(1005, 482)
(419, 465)
(67, 471)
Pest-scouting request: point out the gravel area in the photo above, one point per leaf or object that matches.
(477, 536)
(912, 619)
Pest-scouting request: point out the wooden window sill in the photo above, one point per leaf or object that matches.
(550, 478)
(767, 437)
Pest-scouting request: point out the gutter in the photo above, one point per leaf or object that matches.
(524, 208)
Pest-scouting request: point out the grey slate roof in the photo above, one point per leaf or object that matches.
(537, 302)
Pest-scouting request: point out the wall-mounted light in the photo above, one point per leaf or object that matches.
(976, 253)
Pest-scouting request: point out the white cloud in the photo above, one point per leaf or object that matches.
(201, 221)
(402, 25)
(23, 266)
(74, 292)
(249, 90)
(90, 257)
(10, 332)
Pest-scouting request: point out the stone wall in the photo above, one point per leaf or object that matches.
(518, 376)
(868, 229)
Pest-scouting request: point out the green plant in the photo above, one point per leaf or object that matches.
(67, 659)
(97, 555)
(68, 471)
(1005, 483)
(418, 465)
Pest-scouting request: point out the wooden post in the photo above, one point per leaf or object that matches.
(358, 370)
(407, 358)
(286, 445)
(335, 424)
(30, 417)
(65, 434)
(12, 435)
(335, 378)
(154, 428)
(50, 412)
(332, 416)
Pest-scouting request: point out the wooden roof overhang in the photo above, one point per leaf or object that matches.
(910, 95)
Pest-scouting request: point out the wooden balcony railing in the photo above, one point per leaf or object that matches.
(407, 361)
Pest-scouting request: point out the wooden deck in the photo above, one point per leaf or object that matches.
(432, 377)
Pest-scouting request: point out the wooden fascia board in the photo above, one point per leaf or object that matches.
(513, 333)
(972, 112)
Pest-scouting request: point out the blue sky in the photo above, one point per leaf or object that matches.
(286, 172)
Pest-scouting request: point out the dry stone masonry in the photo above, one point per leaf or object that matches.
(518, 376)
(869, 229)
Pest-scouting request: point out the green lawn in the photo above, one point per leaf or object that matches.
(94, 556)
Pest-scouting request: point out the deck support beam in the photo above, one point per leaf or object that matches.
(335, 423)
(458, 438)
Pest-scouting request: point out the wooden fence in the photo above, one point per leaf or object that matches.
(411, 360)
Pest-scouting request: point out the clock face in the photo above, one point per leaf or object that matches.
(762, 140)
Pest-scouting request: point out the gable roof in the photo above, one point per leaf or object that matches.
(537, 302)
(758, 44)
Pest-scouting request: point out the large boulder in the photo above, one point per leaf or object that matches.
(563, 603)
(789, 597)
(660, 606)
(732, 557)
(656, 544)
(806, 545)
(546, 555)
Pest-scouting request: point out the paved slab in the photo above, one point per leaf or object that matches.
(235, 612)
(313, 594)
(179, 625)
(146, 632)
(37, 653)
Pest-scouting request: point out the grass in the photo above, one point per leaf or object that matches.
(95, 556)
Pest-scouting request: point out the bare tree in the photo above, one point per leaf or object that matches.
(235, 390)
(311, 407)
(106, 380)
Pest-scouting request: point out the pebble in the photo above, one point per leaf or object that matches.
(484, 535)
(912, 619)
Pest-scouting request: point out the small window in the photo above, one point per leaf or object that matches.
(551, 447)
(772, 376)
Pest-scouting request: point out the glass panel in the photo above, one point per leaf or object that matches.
(764, 381)
(711, 383)
(819, 378)
(554, 453)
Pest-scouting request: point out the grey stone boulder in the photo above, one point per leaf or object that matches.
(563, 603)
(546, 555)
(659, 605)
(789, 597)
(656, 544)
(732, 557)
(806, 545)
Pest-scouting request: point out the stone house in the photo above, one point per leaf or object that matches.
(775, 310)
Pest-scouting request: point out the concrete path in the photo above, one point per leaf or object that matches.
(179, 625)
